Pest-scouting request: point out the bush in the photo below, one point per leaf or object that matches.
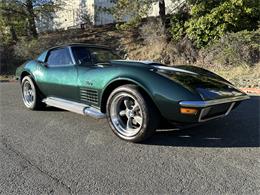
(209, 20)
(8, 60)
(178, 20)
(153, 45)
(241, 48)
(26, 49)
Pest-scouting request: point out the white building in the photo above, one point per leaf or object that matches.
(73, 11)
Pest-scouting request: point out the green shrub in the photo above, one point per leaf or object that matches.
(8, 60)
(211, 19)
(26, 49)
(178, 20)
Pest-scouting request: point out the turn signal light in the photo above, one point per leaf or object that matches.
(193, 111)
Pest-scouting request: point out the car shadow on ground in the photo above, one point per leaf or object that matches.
(52, 109)
(240, 129)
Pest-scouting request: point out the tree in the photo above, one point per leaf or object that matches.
(25, 12)
(162, 12)
(12, 25)
(31, 17)
(209, 20)
(134, 10)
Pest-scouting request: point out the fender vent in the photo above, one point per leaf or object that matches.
(89, 95)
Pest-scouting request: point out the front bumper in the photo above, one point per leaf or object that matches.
(213, 109)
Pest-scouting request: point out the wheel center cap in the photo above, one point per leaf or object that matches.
(130, 113)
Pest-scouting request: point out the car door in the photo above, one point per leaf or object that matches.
(59, 74)
(87, 93)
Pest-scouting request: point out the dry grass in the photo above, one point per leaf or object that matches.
(6, 78)
(241, 76)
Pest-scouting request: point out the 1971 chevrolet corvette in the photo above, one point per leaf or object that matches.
(134, 95)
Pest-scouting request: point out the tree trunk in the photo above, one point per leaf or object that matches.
(162, 13)
(31, 18)
(13, 34)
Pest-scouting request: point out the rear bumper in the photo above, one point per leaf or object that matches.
(213, 109)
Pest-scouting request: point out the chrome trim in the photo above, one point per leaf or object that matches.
(71, 55)
(222, 115)
(202, 104)
(136, 61)
(74, 107)
(60, 66)
(94, 113)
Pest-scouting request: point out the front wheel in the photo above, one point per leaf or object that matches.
(30, 94)
(131, 114)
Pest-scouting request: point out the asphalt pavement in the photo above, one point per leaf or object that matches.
(58, 152)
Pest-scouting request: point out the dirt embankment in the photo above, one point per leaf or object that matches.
(143, 43)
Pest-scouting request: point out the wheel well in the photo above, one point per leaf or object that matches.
(23, 75)
(115, 85)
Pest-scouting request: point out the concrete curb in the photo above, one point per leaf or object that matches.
(8, 81)
(250, 91)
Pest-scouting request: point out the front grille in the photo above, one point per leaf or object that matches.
(215, 111)
(89, 95)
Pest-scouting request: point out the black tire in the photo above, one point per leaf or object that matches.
(118, 119)
(36, 102)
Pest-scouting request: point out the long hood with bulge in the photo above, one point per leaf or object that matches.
(209, 85)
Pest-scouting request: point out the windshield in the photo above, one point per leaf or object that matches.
(86, 55)
(103, 55)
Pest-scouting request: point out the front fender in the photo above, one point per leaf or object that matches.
(165, 94)
(27, 67)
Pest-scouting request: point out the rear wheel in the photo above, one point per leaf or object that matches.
(131, 115)
(30, 94)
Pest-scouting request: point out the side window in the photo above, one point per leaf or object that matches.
(82, 55)
(59, 57)
(42, 57)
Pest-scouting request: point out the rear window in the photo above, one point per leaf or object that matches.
(82, 55)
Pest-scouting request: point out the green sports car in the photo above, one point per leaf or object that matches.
(134, 95)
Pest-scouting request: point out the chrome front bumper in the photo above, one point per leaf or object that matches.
(207, 106)
(201, 104)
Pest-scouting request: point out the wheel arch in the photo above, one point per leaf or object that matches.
(117, 83)
(27, 73)
(24, 74)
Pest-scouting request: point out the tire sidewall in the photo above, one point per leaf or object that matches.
(28, 78)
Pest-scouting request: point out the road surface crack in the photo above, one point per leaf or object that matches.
(58, 181)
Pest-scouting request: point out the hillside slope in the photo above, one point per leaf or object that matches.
(147, 43)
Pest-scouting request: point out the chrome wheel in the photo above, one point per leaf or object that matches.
(28, 92)
(126, 114)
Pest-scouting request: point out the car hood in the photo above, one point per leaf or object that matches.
(207, 84)
(197, 80)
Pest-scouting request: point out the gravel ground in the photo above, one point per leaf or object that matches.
(58, 152)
